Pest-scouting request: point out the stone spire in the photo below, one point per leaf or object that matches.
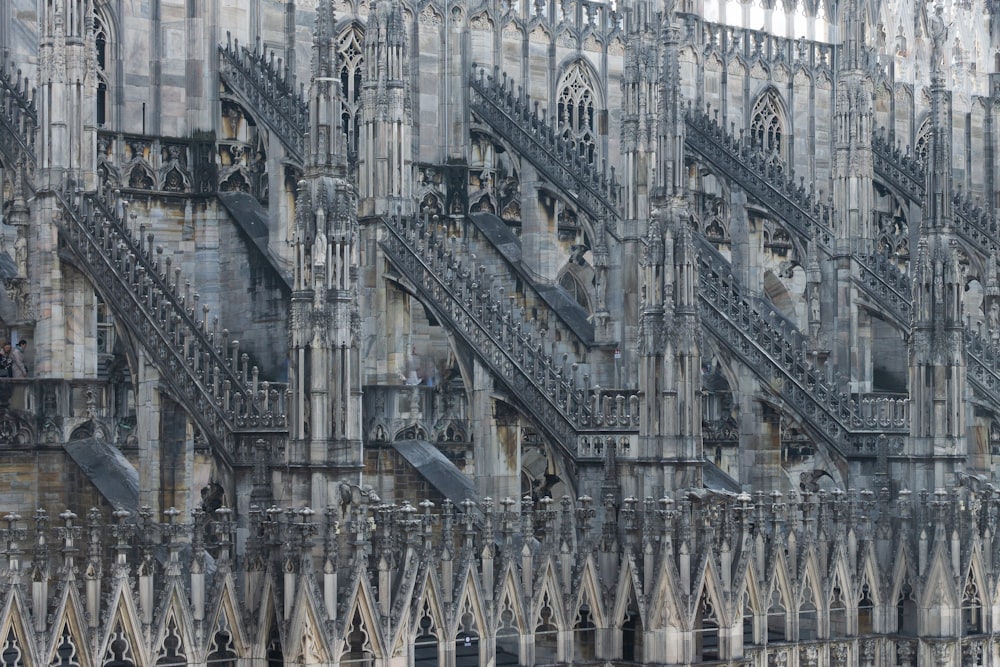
(326, 145)
(386, 153)
(324, 371)
(854, 201)
(640, 89)
(669, 363)
(937, 366)
(67, 58)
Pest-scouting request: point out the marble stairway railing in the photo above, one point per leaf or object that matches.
(512, 282)
(549, 390)
(203, 367)
(18, 118)
(881, 280)
(515, 116)
(891, 289)
(764, 179)
(777, 352)
(973, 224)
(983, 361)
(268, 91)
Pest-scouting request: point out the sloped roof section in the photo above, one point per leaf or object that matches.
(251, 217)
(439, 472)
(109, 470)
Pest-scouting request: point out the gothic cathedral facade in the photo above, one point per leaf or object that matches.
(486, 333)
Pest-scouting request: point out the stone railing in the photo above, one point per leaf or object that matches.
(771, 346)
(899, 168)
(18, 117)
(551, 391)
(881, 280)
(202, 366)
(516, 117)
(973, 224)
(983, 364)
(268, 91)
(511, 281)
(762, 177)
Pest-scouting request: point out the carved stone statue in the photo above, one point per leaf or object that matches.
(939, 35)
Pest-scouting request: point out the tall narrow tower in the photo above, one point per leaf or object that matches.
(386, 148)
(325, 366)
(65, 161)
(853, 200)
(937, 344)
(670, 328)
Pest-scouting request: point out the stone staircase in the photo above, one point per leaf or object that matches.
(552, 392)
(516, 118)
(773, 348)
(18, 118)
(905, 173)
(753, 330)
(266, 89)
(883, 282)
(764, 179)
(203, 368)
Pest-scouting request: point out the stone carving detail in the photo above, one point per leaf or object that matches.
(504, 340)
(202, 366)
(264, 87)
(539, 141)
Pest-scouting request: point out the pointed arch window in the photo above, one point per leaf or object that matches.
(767, 124)
(922, 145)
(102, 44)
(577, 111)
(351, 58)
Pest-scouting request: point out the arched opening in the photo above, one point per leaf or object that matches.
(584, 635)
(13, 654)
(749, 621)
(706, 629)
(358, 647)
(576, 290)
(425, 645)
(632, 635)
(103, 100)
(767, 124)
(777, 619)
(808, 618)
(508, 639)
(546, 635)
(467, 643)
(351, 57)
(906, 611)
(972, 607)
(778, 294)
(223, 653)
(577, 111)
(275, 653)
(921, 144)
(838, 613)
(67, 654)
(119, 653)
(172, 648)
(866, 612)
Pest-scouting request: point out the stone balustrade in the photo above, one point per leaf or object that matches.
(201, 363)
(763, 176)
(552, 390)
(518, 119)
(373, 569)
(972, 223)
(18, 116)
(268, 89)
(778, 352)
